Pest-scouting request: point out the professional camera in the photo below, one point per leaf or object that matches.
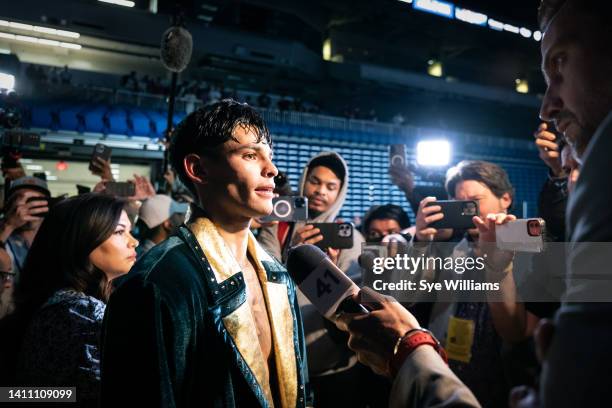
(17, 139)
(10, 118)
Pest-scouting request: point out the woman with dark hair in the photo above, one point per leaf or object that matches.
(82, 245)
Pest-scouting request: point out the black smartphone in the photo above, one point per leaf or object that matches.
(42, 202)
(120, 188)
(335, 235)
(102, 151)
(397, 155)
(457, 214)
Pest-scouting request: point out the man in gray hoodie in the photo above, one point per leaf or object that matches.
(333, 368)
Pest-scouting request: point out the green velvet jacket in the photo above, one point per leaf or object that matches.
(165, 342)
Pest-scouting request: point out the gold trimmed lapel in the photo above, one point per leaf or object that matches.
(240, 324)
(281, 320)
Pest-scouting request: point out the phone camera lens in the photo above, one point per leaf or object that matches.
(533, 228)
(282, 209)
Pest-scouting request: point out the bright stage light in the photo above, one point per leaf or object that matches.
(433, 153)
(537, 35)
(440, 8)
(470, 16)
(522, 86)
(124, 3)
(434, 68)
(7, 81)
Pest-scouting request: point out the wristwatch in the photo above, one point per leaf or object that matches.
(407, 343)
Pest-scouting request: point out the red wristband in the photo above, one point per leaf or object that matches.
(408, 343)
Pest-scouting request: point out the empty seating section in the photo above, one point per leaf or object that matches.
(366, 152)
(99, 118)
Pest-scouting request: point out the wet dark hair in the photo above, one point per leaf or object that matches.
(332, 163)
(598, 9)
(490, 174)
(59, 256)
(547, 10)
(385, 212)
(206, 129)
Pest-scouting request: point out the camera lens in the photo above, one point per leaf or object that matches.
(470, 209)
(282, 208)
(397, 160)
(534, 229)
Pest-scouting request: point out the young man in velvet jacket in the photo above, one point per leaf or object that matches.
(208, 318)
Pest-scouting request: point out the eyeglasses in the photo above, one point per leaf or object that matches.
(6, 276)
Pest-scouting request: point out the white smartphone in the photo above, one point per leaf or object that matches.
(523, 235)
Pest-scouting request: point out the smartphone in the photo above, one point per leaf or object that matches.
(523, 235)
(81, 189)
(457, 214)
(288, 208)
(397, 155)
(42, 202)
(102, 151)
(335, 235)
(45, 202)
(120, 188)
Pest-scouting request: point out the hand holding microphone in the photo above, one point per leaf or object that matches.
(373, 336)
(381, 331)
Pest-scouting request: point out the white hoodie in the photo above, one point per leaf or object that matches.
(325, 355)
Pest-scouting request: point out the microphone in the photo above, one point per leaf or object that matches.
(176, 48)
(322, 282)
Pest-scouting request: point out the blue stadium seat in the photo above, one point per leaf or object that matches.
(117, 119)
(177, 117)
(141, 125)
(369, 183)
(95, 119)
(68, 118)
(159, 122)
(41, 116)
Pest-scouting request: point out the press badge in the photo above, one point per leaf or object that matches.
(459, 339)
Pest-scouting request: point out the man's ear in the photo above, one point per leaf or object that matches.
(506, 201)
(194, 169)
(167, 225)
